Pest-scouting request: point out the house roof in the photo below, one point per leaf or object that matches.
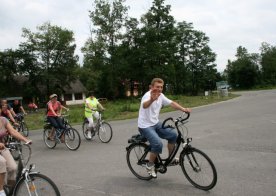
(75, 87)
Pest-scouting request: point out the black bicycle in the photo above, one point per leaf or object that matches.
(195, 164)
(29, 182)
(102, 129)
(23, 128)
(70, 135)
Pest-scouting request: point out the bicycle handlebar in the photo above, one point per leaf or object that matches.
(96, 110)
(179, 119)
(11, 145)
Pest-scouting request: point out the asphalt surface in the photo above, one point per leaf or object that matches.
(239, 135)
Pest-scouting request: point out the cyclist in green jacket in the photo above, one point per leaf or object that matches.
(91, 106)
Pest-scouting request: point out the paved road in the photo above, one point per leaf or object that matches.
(239, 135)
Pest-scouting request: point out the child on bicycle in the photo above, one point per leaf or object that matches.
(149, 125)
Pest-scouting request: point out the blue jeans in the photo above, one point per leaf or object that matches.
(56, 122)
(153, 135)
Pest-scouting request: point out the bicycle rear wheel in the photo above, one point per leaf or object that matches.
(137, 156)
(24, 129)
(49, 138)
(105, 132)
(72, 139)
(38, 184)
(198, 169)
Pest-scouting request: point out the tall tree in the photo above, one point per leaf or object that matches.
(268, 63)
(158, 43)
(52, 48)
(195, 60)
(9, 66)
(243, 72)
(108, 20)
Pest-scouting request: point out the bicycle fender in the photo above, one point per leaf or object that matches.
(185, 151)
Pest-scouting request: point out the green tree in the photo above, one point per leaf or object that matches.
(268, 64)
(195, 60)
(9, 66)
(158, 46)
(50, 58)
(243, 72)
(108, 20)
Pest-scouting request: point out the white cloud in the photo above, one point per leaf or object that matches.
(227, 23)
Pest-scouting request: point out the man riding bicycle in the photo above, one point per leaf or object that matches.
(17, 107)
(149, 125)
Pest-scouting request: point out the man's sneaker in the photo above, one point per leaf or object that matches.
(151, 170)
(89, 134)
(93, 132)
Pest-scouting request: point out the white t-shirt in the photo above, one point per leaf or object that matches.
(149, 116)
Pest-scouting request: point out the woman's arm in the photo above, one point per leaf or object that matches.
(16, 134)
(63, 107)
(22, 109)
(11, 116)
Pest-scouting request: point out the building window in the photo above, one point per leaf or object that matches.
(78, 96)
(68, 97)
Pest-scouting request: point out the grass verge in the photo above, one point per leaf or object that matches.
(123, 109)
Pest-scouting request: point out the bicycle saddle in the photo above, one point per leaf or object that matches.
(137, 138)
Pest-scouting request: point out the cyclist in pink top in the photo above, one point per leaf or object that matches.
(54, 112)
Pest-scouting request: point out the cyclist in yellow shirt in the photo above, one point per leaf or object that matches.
(91, 106)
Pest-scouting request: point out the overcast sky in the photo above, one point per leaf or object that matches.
(227, 23)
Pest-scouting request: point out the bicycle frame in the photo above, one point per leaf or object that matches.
(26, 176)
(22, 172)
(197, 167)
(98, 122)
(162, 164)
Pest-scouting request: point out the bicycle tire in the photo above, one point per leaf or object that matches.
(192, 162)
(39, 185)
(48, 142)
(24, 129)
(137, 166)
(72, 139)
(85, 129)
(105, 132)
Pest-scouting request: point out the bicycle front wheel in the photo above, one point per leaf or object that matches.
(198, 169)
(49, 138)
(137, 157)
(37, 184)
(24, 129)
(72, 139)
(105, 132)
(85, 129)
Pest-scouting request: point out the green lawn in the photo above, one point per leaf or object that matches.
(123, 109)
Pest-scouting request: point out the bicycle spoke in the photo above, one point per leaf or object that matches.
(199, 169)
(136, 160)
